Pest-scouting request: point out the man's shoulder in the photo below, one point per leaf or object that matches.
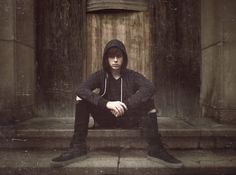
(99, 72)
(132, 72)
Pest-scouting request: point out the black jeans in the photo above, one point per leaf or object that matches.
(133, 118)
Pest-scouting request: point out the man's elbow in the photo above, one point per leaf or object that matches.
(152, 89)
(80, 91)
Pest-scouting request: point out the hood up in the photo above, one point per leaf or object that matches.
(118, 44)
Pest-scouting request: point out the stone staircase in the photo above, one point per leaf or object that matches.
(205, 147)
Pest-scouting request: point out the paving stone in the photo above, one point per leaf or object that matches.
(195, 162)
(122, 162)
(38, 162)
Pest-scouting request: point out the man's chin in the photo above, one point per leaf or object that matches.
(116, 68)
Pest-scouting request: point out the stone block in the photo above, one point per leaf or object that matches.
(207, 143)
(227, 116)
(229, 64)
(7, 117)
(225, 143)
(136, 162)
(211, 23)
(38, 162)
(25, 22)
(228, 10)
(229, 30)
(56, 104)
(25, 75)
(181, 142)
(7, 80)
(98, 163)
(7, 20)
(211, 76)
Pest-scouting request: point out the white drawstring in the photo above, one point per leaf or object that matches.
(121, 90)
(105, 88)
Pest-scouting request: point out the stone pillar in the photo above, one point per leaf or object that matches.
(176, 54)
(218, 95)
(17, 60)
(61, 49)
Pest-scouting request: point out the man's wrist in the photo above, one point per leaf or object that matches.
(103, 103)
(107, 104)
(126, 102)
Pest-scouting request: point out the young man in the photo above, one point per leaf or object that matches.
(125, 99)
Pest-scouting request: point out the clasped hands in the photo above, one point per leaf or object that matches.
(117, 108)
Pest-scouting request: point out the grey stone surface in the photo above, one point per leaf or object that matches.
(195, 162)
(218, 96)
(6, 74)
(7, 82)
(122, 162)
(38, 162)
(7, 20)
(50, 133)
(211, 26)
(25, 75)
(25, 22)
(17, 64)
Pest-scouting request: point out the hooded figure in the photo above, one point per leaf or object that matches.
(125, 97)
(134, 87)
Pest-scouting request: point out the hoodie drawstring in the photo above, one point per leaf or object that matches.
(121, 89)
(105, 88)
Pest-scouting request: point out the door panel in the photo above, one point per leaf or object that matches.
(132, 28)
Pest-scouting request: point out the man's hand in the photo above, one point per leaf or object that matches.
(117, 108)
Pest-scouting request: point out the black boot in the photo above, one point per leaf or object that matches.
(76, 153)
(78, 148)
(156, 151)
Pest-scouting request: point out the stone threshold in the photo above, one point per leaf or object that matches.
(50, 133)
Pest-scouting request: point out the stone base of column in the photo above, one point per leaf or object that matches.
(219, 114)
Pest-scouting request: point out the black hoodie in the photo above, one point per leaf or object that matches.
(135, 88)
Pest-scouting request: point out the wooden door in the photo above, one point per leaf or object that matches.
(131, 27)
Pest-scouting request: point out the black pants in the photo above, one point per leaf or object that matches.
(133, 118)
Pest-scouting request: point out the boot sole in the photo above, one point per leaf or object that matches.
(168, 164)
(64, 163)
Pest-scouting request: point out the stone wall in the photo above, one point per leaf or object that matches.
(61, 48)
(17, 63)
(176, 50)
(218, 95)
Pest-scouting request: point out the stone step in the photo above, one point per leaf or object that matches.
(118, 162)
(56, 133)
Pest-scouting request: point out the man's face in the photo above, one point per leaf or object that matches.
(115, 58)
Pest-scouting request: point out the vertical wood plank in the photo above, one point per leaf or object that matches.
(132, 28)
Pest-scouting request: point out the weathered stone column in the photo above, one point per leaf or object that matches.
(176, 55)
(17, 62)
(218, 89)
(61, 49)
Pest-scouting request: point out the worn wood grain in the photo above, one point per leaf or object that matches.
(137, 5)
(132, 28)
